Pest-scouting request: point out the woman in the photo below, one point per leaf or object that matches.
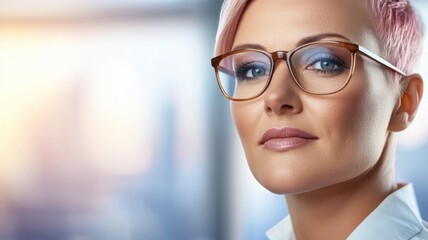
(319, 92)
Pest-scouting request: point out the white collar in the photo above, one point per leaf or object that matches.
(397, 217)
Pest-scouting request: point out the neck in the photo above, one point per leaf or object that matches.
(333, 212)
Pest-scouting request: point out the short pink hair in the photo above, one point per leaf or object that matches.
(397, 24)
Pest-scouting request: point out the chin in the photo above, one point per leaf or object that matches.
(294, 181)
(297, 172)
(284, 182)
(281, 176)
(287, 188)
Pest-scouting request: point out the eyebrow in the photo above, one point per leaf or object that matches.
(302, 41)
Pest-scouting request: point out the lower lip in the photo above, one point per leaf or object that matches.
(284, 144)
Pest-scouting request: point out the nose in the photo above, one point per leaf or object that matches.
(283, 95)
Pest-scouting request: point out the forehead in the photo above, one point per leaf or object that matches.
(280, 24)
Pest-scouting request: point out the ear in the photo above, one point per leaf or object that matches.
(408, 102)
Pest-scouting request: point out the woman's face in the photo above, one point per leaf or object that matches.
(349, 128)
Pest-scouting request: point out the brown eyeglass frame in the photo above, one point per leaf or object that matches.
(286, 55)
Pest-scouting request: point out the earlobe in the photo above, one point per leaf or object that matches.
(408, 103)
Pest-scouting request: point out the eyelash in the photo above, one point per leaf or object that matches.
(339, 62)
(242, 69)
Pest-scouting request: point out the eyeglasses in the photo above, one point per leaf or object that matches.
(321, 68)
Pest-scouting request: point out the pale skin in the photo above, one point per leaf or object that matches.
(334, 182)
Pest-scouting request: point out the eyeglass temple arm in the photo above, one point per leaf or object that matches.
(215, 62)
(380, 60)
(225, 70)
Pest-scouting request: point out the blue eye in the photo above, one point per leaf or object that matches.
(326, 64)
(251, 71)
(255, 72)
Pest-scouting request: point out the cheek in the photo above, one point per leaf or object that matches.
(246, 116)
(356, 121)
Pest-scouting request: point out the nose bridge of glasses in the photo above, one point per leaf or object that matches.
(279, 55)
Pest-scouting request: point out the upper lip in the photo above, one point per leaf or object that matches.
(285, 132)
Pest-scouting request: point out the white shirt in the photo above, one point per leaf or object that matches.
(397, 217)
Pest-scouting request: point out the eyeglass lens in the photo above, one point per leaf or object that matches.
(317, 68)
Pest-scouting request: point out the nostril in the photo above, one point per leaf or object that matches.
(280, 109)
(286, 106)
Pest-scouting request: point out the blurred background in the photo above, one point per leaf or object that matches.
(112, 126)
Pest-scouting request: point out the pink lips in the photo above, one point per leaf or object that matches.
(282, 139)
